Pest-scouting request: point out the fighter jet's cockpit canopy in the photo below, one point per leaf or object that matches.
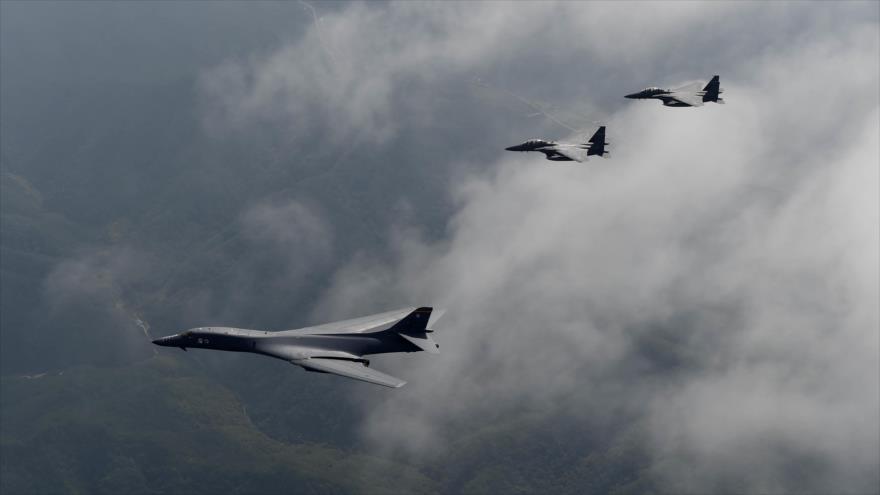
(648, 93)
(653, 90)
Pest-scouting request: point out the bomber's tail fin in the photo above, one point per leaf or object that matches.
(415, 322)
(414, 328)
(712, 90)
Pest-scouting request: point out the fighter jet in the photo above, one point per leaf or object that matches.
(337, 348)
(686, 96)
(564, 152)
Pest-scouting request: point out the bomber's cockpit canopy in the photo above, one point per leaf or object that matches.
(215, 331)
(199, 330)
(208, 330)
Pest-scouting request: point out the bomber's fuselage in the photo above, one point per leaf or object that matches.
(290, 344)
(337, 348)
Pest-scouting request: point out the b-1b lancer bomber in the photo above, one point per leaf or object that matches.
(565, 152)
(686, 96)
(337, 348)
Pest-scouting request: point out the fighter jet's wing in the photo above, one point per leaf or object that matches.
(350, 369)
(366, 324)
(572, 152)
(689, 95)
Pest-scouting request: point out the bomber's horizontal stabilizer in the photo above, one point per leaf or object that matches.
(414, 328)
(423, 342)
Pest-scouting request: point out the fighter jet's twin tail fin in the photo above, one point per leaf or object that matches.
(596, 144)
(712, 90)
(414, 328)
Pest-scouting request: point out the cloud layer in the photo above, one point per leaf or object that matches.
(717, 279)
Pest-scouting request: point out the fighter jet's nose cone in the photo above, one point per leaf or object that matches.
(510, 148)
(632, 96)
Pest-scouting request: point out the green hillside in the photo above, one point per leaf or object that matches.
(159, 427)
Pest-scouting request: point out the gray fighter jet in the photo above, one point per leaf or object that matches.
(686, 96)
(337, 348)
(564, 152)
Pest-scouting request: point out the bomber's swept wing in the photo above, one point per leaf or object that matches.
(366, 324)
(350, 369)
(689, 95)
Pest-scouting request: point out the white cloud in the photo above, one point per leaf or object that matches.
(347, 71)
(746, 235)
(294, 233)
